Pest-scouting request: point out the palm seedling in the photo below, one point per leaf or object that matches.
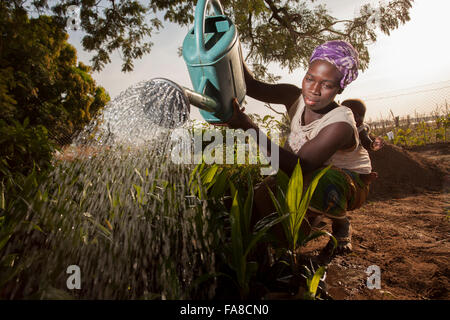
(292, 199)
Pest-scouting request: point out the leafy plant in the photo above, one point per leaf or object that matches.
(23, 148)
(243, 237)
(293, 200)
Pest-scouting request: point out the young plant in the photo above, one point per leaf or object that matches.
(243, 238)
(291, 199)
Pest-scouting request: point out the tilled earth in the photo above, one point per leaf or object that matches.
(405, 235)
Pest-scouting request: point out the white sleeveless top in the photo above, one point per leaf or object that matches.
(356, 159)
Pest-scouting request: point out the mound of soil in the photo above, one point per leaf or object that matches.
(404, 233)
(404, 172)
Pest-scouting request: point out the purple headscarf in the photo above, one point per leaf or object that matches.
(342, 55)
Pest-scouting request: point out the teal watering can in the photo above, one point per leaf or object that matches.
(213, 57)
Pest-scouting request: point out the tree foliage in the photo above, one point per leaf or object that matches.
(43, 91)
(125, 25)
(40, 76)
(281, 31)
(287, 32)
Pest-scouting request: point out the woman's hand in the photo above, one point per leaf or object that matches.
(239, 120)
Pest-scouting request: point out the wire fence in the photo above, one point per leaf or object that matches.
(411, 106)
(427, 119)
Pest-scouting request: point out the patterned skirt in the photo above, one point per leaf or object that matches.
(338, 191)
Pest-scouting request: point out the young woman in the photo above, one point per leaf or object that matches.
(322, 133)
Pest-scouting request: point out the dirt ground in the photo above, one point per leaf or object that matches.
(403, 229)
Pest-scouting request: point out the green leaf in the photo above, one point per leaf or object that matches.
(266, 118)
(192, 175)
(108, 191)
(36, 227)
(275, 202)
(269, 221)
(136, 187)
(104, 231)
(116, 201)
(262, 226)
(315, 281)
(248, 206)
(209, 175)
(4, 240)
(306, 200)
(193, 183)
(282, 180)
(281, 212)
(220, 185)
(236, 236)
(281, 189)
(295, 189)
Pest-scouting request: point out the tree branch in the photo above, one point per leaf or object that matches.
(271, 108)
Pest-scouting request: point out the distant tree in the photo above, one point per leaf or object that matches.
(40, 78)
(282, 31)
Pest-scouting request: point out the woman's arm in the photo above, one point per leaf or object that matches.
(282, 93)
(334, 137)
(313, 154)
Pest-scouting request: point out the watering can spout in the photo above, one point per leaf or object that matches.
(201, 101)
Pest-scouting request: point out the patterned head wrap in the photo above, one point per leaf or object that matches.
(342, 55)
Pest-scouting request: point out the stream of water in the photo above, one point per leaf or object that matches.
(119, 209)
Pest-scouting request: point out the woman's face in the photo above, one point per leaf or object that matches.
(320, 84)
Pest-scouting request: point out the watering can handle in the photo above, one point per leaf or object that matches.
(200, 11)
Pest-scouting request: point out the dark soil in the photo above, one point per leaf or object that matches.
(403, 228)
(403, 172)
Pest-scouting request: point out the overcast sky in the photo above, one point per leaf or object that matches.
(409, 70)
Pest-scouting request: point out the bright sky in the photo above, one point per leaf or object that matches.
(409, 70)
